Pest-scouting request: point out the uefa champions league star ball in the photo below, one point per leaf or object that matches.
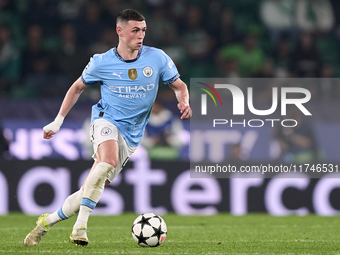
(149, 230)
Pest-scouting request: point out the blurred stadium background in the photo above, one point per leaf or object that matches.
(45, 44)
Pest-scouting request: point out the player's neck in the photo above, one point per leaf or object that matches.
(126, 53)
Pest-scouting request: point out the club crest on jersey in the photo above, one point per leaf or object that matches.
(132, 73)
(147, 71)
(106, 131)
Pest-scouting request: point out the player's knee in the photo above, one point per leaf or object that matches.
(100, 174)
(112, 162)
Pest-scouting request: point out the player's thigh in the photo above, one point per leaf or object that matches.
(104, 136)
(125, 152)
(108, 152)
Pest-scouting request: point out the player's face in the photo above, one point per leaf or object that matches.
(133, 34)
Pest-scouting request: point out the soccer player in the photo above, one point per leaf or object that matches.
(129, 76)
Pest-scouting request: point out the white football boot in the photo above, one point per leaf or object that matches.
(79, 236)
(34, 237)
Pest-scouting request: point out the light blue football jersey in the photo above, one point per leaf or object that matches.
(128, 88)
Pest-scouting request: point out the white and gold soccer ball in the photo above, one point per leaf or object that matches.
(149, 230)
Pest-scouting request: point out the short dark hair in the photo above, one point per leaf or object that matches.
(129, 14)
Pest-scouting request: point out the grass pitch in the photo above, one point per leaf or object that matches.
(219, 234)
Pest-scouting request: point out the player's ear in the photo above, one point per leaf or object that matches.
(120, 27)
(119, 30)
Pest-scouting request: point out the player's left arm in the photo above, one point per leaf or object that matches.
(182, 95)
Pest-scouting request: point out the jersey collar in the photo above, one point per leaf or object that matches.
(127, 61)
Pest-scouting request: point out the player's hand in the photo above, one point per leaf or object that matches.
(185, 110)
(53, 127)
(48, 133)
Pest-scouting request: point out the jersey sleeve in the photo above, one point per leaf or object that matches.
(169, 71)
(90, 73)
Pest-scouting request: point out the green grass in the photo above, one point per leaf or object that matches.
(219, 234)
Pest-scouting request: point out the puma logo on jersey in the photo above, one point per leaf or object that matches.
(117, 74)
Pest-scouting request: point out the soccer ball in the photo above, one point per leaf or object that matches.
(149, 230)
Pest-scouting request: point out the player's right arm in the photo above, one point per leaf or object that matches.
(70, 99)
